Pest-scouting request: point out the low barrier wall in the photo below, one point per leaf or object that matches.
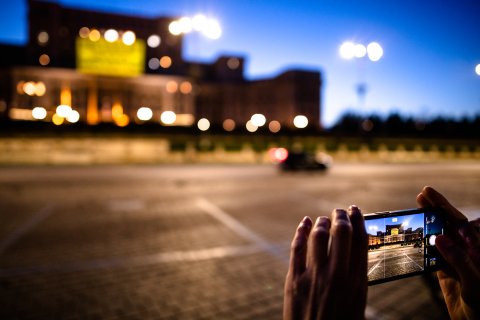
(148, 150)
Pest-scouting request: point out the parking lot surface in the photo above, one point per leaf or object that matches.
(191, 241)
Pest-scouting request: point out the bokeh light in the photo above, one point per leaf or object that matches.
(39, 113)
(228, 125)
(129, 38)
(111, 35)
(73, 116)
(375, 51)
(153, 41)
(168, 117)
(477, 69)
(203, 124)
(44, 59)
(165, 62)
(360, 51)
(144, 113)
(57, 120)
(258, 119)
(300, 121)
(63, 110)
(274, 126)
(250, 126)
(347, 50)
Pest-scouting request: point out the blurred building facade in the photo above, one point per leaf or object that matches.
(106, 67)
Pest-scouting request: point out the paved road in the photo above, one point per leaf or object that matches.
(394, 261)
(189, 242)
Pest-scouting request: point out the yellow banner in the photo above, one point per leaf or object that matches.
(110, 58)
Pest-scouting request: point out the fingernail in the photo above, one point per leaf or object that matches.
(341, 214)
(306, 222)
(353, 208)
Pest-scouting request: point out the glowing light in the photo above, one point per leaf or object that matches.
(20, 85)
(300, 121)
(40, 89)
(347, 50)
(168, 117)
(186, 24)
(44, 60)
(372, 228)
(111, 35)
(73, 116)
(212, 29)
(185, 87)
(122, 121)
(250, 126)
(154, 63)
(128, 38)
(477, 69)
(39, 113)
(57, 120)
(171, 87)
(94, 35)
(258, 119)
(431, 240)
(20, 114)
(165, 62)
(203, 124)
(233, 63)
(375, 51)
(274, 126)
(144, 114)
(198, 22)
(29, 88)
(360, 51)
(153, 41)
(184, 119)
(175, 28)
(229, 125)
(278, 154)
(66, 95)
(43, 37)
(63, 110)
(84, 32)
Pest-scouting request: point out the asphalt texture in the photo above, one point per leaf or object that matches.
(192, 241)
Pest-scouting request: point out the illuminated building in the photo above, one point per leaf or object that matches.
(107, 67)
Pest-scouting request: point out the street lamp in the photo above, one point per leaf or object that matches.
(350, 50)
(209, 27)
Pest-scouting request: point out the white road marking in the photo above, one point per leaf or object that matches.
(31, 223)
(421, 268)
(239, 228)
(374, 267)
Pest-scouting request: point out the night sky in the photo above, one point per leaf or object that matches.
(431, 47)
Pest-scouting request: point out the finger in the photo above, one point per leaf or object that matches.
(470, 235)
(298, 249)
(340, 244)
(318, 250)
(438, 200)
(358, 263)
(359, 242)
(423, 202)
(457, 259)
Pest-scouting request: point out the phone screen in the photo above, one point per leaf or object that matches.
(402, 243)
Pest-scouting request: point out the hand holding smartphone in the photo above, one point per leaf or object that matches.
(402, 243)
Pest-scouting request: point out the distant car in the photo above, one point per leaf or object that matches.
(290, 160)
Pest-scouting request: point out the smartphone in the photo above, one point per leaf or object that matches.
(402, 243)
